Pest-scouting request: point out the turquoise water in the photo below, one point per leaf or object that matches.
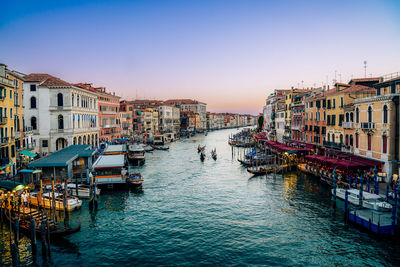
(214, 213)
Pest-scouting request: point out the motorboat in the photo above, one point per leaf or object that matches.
(369, 200)
(46, 200)
(83, 190)
(134, 180)
(160, 147)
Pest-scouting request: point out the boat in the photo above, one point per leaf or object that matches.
(115, 150)
(110, 171)
(136, 155)
(83, 190)
(160, 147)
(263, 170)
(369, 200)
(169, 137)
(202, 156)
(214, 154)
(158, 139)
(148, 149)
(55, 230)
(200, 148)
(134, 180)
(46, 200)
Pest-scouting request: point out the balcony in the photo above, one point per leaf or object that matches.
(333, 145)
(296, 127)
(109, 126)
(348, 149)
(368, 125)
(348, 125)
(3, 141)
(3, 120)
(28, 130)
(107, 112)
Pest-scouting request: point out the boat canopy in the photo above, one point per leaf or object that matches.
(113, 149)
(109, 161)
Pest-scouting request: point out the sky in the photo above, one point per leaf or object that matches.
(230, 54)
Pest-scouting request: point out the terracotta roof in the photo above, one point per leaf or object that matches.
(376, 79)
(342, 84)
(352, 89)
(391, 80)
(181, 101)
(46, 80)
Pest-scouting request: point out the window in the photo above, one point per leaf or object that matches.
(351, 116)
(10, 94)
(369, 142)
(60, 100)
(384, 144)
(33, 87)
(12, 151)
(324, 116)
(33, 102)
(341, 102)
(334, 103)
(60, 122)
(73, 98)
(347, 117)
(356, 140)
(33, 123)
(385, 114)
(369, 114)
(11, 113)
(351, 140)
(45, 143)
(341, 138)
(357, 115)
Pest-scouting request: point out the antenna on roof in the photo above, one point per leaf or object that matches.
(335, 80)
(365, 69)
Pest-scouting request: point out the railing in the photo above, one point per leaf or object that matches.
(348, 149)
(348, 125)
(7, 82)
(109, 125)
(296, 127)
(107, 112)
(3, 120)
(28, 130)
(3, 140)
(333, 144)
(390, 76)
(368, 125)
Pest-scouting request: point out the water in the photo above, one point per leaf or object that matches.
(214, 213)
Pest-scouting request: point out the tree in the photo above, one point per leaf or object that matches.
(260, 123)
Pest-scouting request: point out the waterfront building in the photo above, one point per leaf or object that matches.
(165, 118)
(60, 113)
(137, 121)
(188, 121)
(269, 112)
(7, 126)
(298, 117)
(377, 125)
(191, 105)
(289, 97)
(176, 120)
(126, 118)
(280, 120)
(315, 119)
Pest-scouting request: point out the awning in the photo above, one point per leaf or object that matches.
(29, 171)
(28, 153)
(6, 166)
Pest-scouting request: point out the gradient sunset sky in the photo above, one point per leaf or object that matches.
(229, 54)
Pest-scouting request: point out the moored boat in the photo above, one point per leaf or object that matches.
(134, 180)
(136, 155)
(160, 147)
(83, 190)
(46, 200)
(369, 200)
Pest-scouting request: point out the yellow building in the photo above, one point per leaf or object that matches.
(377, 126)
(7, 128)
(339, 117)
(289, 99)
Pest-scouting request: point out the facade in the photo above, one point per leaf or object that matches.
(176, 120)
(315, 120)
(377, 125)
(59, 113)
(298, 117)
(7, 125)
(165, 118)
(126, 120)
(108, 106)
(194, 106)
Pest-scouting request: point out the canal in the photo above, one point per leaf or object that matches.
(213, 213)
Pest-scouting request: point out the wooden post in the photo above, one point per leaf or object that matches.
(53, 199)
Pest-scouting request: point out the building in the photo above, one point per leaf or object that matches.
(108, 106)
(7, 125)
(165, 113)
(377, 125)
(315, 120)
(60, 113)
(176, 120)
(126, 118)
(298, 116)
(280, 120)
(194, 106)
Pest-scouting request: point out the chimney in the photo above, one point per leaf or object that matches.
(3, 70)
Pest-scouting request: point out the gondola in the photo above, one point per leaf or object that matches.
(214, 154)
(262, 171)
(160, 147)
(200, 148)
(56, 230)
(202, 156)
(134, 180)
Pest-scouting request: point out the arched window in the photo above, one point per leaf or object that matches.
(357, 136)
(347, 117)
(324, 116)
(341, 138)
(384, 144)
(347, 139)
(351, 140)
(74, 140)
(60, 122)
(351, 116)
(33, 102)
(60, 100)
(369, 136)
(77, 102)
(385, 114)
(357, 115)
(73, 98)
(34, 123)
(369, 114)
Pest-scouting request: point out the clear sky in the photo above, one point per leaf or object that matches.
(229, 54)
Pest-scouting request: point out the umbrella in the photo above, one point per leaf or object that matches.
(19, 187)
